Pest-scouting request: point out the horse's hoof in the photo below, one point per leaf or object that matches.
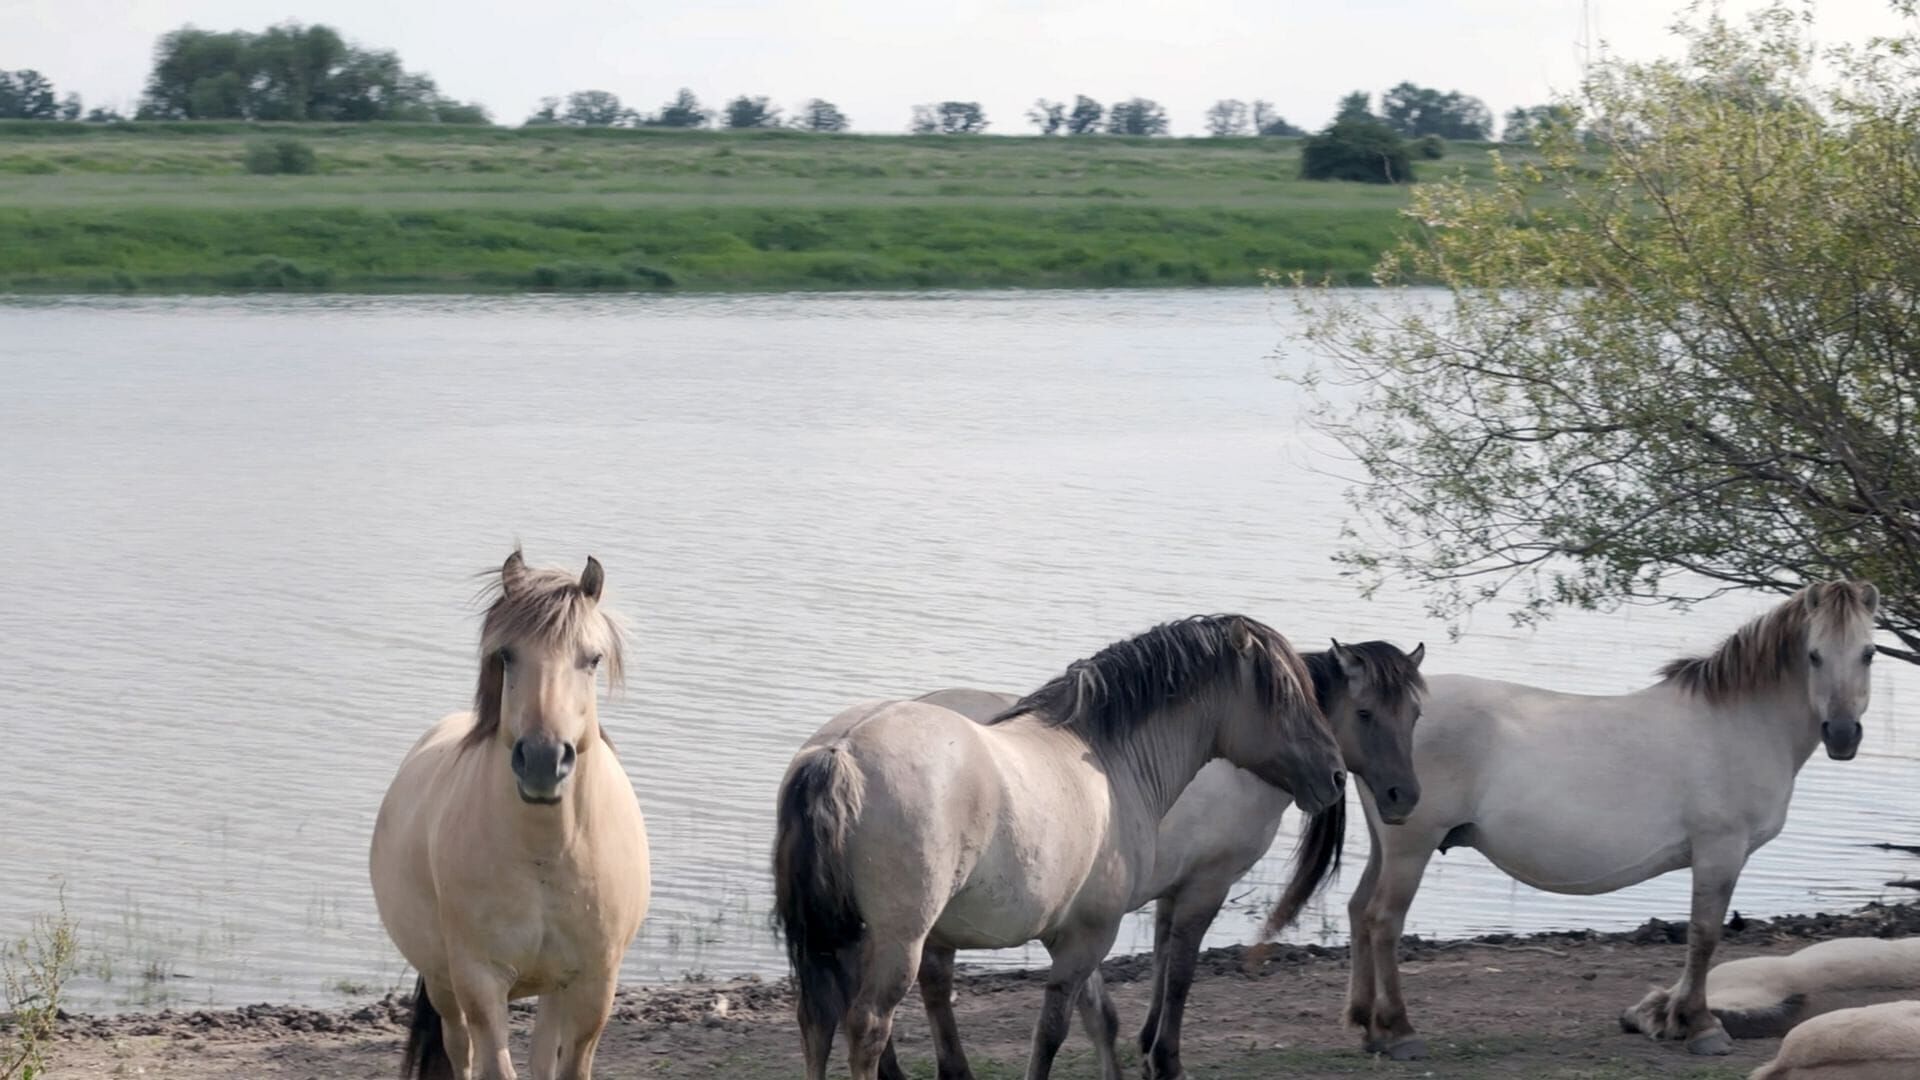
(1713, 1043)
(1411, 1048)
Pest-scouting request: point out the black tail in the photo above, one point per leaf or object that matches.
(1314, 863)
(813, 895)
(1771, 1023)
(426, 1054)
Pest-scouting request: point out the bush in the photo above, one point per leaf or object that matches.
(1356, 148)
(1431, 147)
(274, 272)
(277, 156)
(33, 972)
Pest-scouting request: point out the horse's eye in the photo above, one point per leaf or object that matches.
(593, 661)
(1867, 657)
(1366, 715)
(1814, 658)
(505, 654)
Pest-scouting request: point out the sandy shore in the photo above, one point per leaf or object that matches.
(1541, 1006)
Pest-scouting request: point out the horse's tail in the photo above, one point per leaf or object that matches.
(1762, 1022)
(813, 891)
(426, 1054)
(1314, 861)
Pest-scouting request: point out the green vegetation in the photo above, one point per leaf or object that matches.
(33, 972)
(1686, 365)
(400, 207)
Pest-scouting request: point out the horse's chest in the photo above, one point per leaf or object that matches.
(551, 933)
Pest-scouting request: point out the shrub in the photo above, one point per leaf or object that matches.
(33, 972)
(1356, 148)
(1431, 147)
(274, 272)
(280, 156)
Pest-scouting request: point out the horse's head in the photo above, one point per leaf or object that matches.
(1371, 693)
(1838, 660)
(1283, 737)
(544, 638)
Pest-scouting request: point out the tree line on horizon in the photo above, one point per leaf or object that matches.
(296, 72)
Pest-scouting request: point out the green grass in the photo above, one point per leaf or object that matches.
(435, 207)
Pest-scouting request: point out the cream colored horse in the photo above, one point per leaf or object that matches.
(1582, 794)
(905, 826)
(510, 859)
(1874, 1042)
(1222, 824)
(1765, 996)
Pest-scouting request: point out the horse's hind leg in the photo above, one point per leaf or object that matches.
(1681, 1012)
(1388, 1030)
(936, 992)
(1194, 911)
(1360, 979)
(887, 969)
(1102, 1022)
(1075, 956)
(1162, 929)
(568, 1029)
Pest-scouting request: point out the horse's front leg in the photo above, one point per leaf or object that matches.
(1389, 1031)
(1681, 1012)
(1162, 930)
(480, 993)
(568, 1029)
(1360, 979)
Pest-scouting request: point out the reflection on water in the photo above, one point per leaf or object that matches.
(241, 535)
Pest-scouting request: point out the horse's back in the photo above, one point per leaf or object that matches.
(1875, 1042)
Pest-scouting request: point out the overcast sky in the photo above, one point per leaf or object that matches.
(876, 58)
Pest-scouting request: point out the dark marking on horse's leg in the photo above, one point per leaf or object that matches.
(936, 992)
(1162, 926)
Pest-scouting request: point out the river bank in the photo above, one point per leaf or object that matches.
(423, 208)
(1541, 1007)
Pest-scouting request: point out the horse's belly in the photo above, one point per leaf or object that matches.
(978, 919)
(1592, 864)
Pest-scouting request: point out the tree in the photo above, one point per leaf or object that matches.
(1414, 111)
(819, 115)
(104, 115)
(27, 95)
(683, 111)
(1085, 117)
(1268, 122)
(1356, 148)
(1137, 116)
(1527, 124)
(591, 108)
(1226, 118)
(1047, 116)
(1356, 106)
(752, 112)
(1685, 365)
(949, 118)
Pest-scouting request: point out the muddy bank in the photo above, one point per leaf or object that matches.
(1500, 1005)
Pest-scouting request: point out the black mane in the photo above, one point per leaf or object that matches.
(1388, 669)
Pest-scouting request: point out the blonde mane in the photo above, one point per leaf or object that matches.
(1756, 656)
(545, 606)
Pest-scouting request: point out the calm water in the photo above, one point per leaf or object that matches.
(240, 538)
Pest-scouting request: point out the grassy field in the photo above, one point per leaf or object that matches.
(421, 208)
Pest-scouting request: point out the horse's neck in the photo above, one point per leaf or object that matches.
(1772, 722)
(1161, 755)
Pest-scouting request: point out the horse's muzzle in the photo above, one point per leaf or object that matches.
(1396, 802)
(540, 767)
(1842, 737)
(1322, 795)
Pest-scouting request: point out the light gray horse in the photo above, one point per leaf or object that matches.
(1584, 794)
(904, 825)
(1218, 829)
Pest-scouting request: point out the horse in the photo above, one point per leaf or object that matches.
(509, 858)
(1763, 997)
(1873, 1042)
(1588, 794)
(1219, 827)
(905, 826)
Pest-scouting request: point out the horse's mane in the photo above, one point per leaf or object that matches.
(1756, 656)
(545, 606)
(1387, 669)
(1108, 694)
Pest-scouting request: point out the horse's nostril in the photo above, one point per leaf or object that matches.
(1393, 794)
(567, 754)
(519, 757)
(1339, 780)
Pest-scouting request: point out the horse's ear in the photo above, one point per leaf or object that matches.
(1811, 595)
(592, 579)
(1418, 654)
(513, 573)
(1869, 595)
(1349, 663)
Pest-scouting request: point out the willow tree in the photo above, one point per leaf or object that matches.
(1678, 346)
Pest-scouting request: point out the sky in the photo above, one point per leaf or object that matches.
(875, 59)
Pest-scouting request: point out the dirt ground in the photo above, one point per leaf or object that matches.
(1540, 1007)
